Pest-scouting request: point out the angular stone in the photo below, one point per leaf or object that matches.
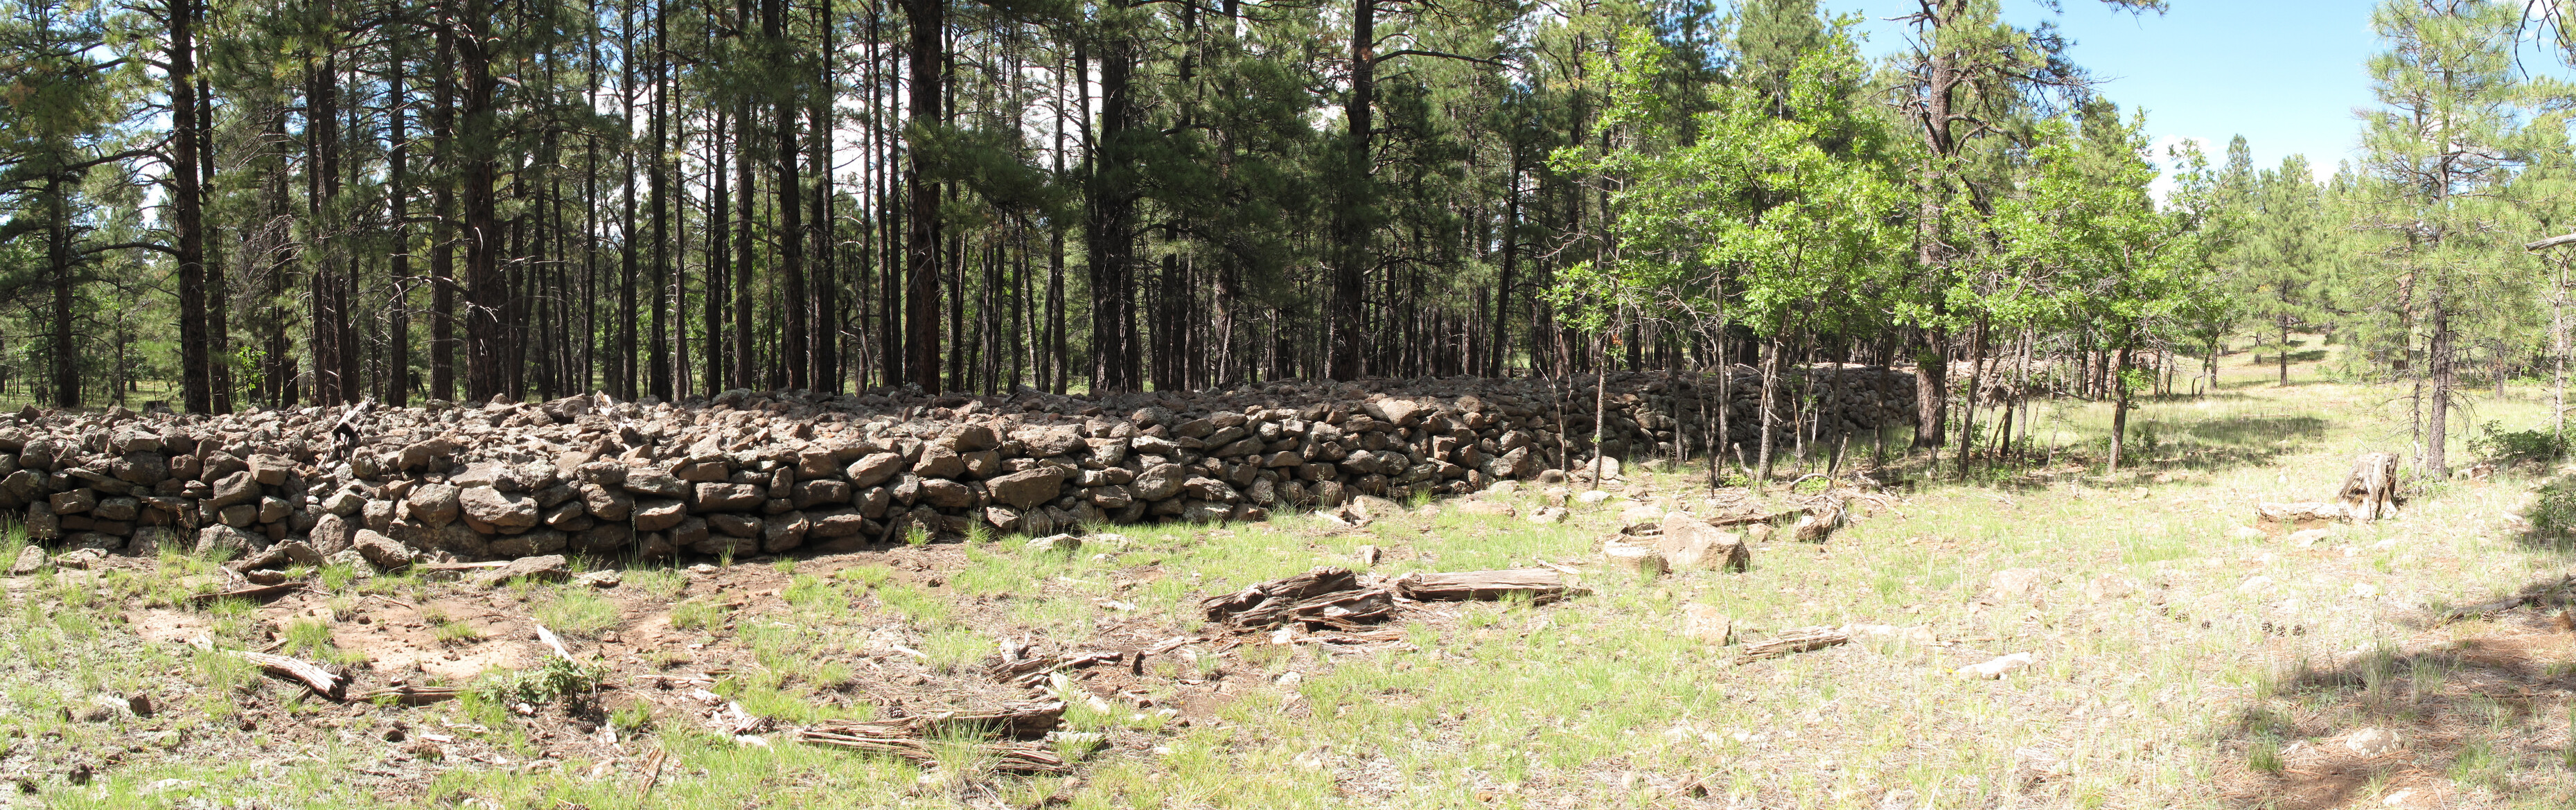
(734, 525)
(270, 469)
(938, 462)
(982, 464)
(272, 510)
(874, 469)
(1027, 489)
(1690, 543)
(1159, 482)
(344, 503)
(655, 483)
(822, 492)
(691, 531)
(548, 568)
(530, 543)
(74, 502)
(434, 504)
(1707, 624)
(117, 508)
(730, 497)
(226, 539)
(568, 516)
(31, 559)
(946, 494)
(1055, 544)
(782, 532)
(330, 534)
(491, 511)
(657, 515)
(605, 503)
(1004, 518)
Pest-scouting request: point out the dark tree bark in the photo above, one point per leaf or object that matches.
(823, 356)
(398, 201)
(442, 249)
(926, 20)
(58, 264)
(719, 255)
(187, 215)
(659, 354)
(745, 362)
(790, 279)
(486, 335)
(1350, 229)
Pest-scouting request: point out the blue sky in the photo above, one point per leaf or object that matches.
(2286, 74)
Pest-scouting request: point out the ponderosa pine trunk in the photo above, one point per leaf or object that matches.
(926, 21)
(186, 218)
(486, 335)
(1351, 229)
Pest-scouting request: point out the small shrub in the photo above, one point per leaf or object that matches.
(2494, 443)
(558, 679)
(2553, 509)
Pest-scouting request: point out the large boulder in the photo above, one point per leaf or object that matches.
(730, 497)
(605, 503)
(657, 515)
(434, 504)
(1688, 542)
(1159, 482)
(1027, 489)
(874, 469)
(946, 494)
(491, 511)
(938, 462)
(238, 487)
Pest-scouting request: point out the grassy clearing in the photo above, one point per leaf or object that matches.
(2178, 659)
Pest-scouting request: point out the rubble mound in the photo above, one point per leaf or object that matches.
(755, 473)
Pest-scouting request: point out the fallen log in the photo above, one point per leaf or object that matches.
(2274, 517)
(1266, 604)
(255, 592)
(1792, 642)
(1011, 757)
(1540, 584)
(1345, 610)
(1027, 719)
(409, 695)
(320, 678)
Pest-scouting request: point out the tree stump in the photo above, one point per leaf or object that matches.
(2370, 491)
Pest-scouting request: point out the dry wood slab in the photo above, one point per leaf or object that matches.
(1540, 584)
(254, 593)
(1807, 639)
(408, 694)
(321, 679)
(1267, 604)
(1010, 757)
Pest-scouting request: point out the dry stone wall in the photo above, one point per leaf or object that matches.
(764, 473)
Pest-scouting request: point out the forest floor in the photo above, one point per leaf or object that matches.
(2176, 659)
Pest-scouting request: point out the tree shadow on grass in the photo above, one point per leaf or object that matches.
(2483, 715)
(2193, 443)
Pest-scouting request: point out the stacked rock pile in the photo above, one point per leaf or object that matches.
(763, 473)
